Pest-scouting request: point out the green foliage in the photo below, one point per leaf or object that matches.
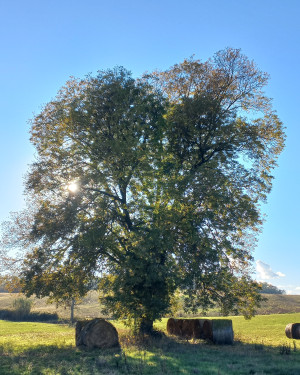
(155, 184)
(10, 283)
(22, 306)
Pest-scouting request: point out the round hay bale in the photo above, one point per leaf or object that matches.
(174, 326)
(178, 327)
(97, 333)
(222, 332)
(171, 326)
(187, 328)
(292, 331)
(79, 325)
(196, 328)
(202, 329)
(207, 332)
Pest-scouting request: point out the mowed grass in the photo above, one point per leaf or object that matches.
(39, 348)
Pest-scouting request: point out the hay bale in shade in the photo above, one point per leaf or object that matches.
(196, 328)
(292, 331)
(190, 328)
(178, 327)
(174, 326)
(207, 329)
(171, 326)
(96, 333)
(222, 332)
(78, 328)
(219, 331)
(187, 328)
(202, 328)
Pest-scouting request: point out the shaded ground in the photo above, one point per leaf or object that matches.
(166, 356)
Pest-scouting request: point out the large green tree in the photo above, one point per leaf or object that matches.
(155, 184)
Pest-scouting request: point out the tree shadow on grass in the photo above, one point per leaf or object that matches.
(167, 355)
(175, 356)
(54, 359)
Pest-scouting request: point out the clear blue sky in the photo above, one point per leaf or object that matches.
(43, 43)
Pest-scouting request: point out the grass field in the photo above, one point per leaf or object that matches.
(259, 348)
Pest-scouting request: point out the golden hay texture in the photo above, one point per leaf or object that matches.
(292, 331)
(96, 333)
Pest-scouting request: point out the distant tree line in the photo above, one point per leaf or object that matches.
(4, 289)
(271, 289)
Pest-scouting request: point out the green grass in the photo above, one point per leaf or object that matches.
(36, 348)
(266, 329)
(39, 348)
(24, 336)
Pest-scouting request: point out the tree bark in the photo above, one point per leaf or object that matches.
(146, 326)
(72, 311)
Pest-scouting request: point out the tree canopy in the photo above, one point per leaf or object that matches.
(153, 183)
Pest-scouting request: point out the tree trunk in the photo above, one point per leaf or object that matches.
(146, 326)
(72, 311)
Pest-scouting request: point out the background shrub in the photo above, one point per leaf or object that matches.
(22, 307)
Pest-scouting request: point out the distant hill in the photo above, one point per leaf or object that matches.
(279, 304)
(274, 304)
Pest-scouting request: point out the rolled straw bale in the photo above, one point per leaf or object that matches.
(202, 328)
(196, 328)
(174, 326)
(181, 327)
(218, 330)
(190, 328)
(292, 331)
(178, 327)
(96, 333)
(207, 332)
(171, 326)
(187, 328)
(78, 328)
(222, 332)
(206, 329)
